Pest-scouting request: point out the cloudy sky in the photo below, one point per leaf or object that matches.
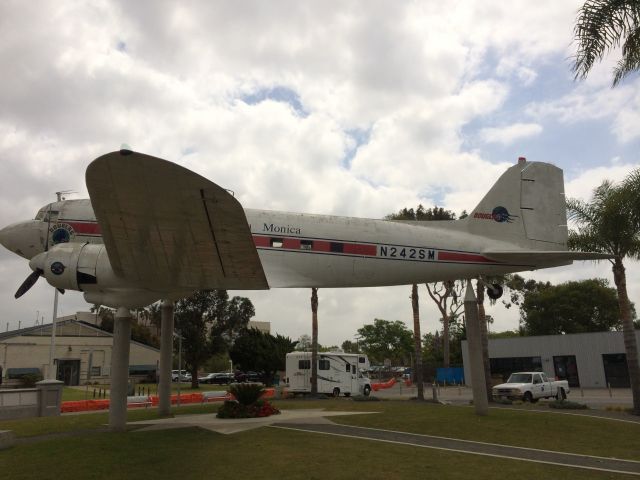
(348, 108)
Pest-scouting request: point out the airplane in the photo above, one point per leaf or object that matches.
(155, 230)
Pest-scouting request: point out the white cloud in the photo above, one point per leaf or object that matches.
(169, 80)
(511, 133)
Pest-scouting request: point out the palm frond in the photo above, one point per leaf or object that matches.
(600, 27)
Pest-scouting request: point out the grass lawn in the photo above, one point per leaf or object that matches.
(274, 453)
(30, 427)
(548, 431)
(263, 453)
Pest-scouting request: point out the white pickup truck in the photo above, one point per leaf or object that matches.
(531, 387)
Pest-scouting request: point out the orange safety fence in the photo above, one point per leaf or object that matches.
(379, 386)
(185, 398)
(84, 405)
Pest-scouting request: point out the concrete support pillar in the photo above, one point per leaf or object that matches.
(120, 370)
(49, 397)
(166, 351)
(478, 385)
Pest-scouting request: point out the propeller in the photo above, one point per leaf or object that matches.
(29, 282)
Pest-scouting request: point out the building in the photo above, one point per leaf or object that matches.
(590, 360)
(82, 353)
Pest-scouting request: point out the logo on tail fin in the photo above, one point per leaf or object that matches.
(499, 214)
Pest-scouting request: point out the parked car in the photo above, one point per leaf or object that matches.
(207, 378)
(182, 374)
(530, 387)
(222, 378)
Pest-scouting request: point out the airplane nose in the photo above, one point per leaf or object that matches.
(25, 238)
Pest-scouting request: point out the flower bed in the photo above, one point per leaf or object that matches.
(233, 409)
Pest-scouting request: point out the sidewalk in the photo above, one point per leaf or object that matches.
(597, 398)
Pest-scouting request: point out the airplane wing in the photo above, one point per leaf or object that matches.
(542, 257)
(167, 228)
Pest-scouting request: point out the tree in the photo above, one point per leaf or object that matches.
(350, 347)
(385, 339)
(571, 307)
(417, 342)
(139, 333)
(420, 214)
(304, 343)
(261, 352)
(610, 223)
(209, 311)
(601, 26)
(447, 296)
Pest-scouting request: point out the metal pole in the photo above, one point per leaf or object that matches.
(51, 373)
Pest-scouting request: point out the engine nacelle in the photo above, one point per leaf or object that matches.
(74, 265)
(86, 267)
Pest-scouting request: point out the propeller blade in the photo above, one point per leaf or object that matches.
(29, 282)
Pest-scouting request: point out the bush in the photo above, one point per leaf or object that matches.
(29, 380)
(246, 393)
(567, 405)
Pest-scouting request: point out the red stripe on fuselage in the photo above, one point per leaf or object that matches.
(83, 228)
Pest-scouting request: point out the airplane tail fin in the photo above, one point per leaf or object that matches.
(525, 207)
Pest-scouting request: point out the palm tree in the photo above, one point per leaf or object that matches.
(602, 25)
(610, 223)
(417, 341)
(314, 341)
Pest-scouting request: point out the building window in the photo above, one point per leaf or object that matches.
(277, 242)
(304, 364)
(616, 371)
(323, 365)
(348, 368)
(96, 371)
(508, 365)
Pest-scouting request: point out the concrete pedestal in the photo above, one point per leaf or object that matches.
(166, 350)
(50, 397)
(478, 384)
(120, 370)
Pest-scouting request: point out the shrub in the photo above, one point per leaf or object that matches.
(29, 380)
(246, 393)
(567, 405)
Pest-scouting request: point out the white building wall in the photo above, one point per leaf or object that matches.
(588, 349)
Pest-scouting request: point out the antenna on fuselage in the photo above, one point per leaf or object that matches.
(63, 193)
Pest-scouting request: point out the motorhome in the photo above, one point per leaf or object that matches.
(338, 373)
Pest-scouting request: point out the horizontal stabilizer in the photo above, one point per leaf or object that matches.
(539, 257)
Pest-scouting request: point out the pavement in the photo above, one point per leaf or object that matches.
(597, 398)
(228, 426)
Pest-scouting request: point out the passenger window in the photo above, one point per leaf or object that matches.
(306, 244)
(336, 247)
(304, 364)
(276, 242)
(536, 379)
(323, 365)
(348, 368)
(360, 359)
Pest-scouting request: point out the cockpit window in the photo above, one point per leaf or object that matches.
(47, 215)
